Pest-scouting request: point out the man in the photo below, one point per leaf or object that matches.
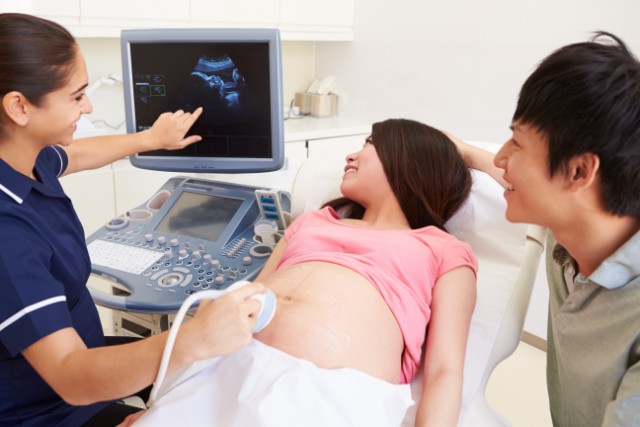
(573, 166)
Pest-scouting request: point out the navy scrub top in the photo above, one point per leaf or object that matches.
(44, 267)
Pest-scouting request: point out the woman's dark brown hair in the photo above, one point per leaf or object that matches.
(424, 169)
(35, 56)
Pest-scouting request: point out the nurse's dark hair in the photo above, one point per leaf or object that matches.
(424, 169)
(35, 56)
(585, 98)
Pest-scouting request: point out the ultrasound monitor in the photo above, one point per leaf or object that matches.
(234, 74)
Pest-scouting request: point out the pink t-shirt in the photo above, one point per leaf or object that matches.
(403, 264)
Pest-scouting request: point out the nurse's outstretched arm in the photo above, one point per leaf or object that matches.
(168, 132)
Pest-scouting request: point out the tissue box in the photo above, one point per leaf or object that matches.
(317, 105)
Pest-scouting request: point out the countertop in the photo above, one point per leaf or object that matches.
(327, 127)
(301, 129)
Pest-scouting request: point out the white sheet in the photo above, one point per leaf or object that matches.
(259, 386)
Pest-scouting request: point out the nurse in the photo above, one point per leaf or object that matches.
(54, 366)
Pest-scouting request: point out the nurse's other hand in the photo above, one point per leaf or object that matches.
(169, 130)
(220, 326)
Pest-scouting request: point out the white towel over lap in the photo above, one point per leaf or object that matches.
(260, 386)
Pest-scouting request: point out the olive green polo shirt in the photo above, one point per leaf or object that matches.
(593, 342)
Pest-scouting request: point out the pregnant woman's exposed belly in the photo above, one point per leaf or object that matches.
(334, 318)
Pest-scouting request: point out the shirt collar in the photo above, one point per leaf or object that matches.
(13, 183)
(614, 272)
(18, 186)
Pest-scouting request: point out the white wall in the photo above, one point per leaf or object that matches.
(459, 65)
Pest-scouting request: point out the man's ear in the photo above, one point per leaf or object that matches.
(16, 107)
(583, 170)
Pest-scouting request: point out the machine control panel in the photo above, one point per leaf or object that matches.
(191, 235)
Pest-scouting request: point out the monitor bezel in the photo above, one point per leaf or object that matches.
(207, 35)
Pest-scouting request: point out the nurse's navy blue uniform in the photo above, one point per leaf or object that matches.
(44, 267)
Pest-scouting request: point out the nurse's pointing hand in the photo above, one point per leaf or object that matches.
(169, 130)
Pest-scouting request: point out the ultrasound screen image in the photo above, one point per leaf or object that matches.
(219, 86)
(230, 81)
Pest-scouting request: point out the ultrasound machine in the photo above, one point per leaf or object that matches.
(195, 234)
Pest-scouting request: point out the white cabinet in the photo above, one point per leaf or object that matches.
(102, 194)
(134, 186)
(209, 13)
(92, 195)
(336, 149)
(297, 19)
(65, 12)
(313, 12)
(305, 18)
(282, 179)
(137, 13)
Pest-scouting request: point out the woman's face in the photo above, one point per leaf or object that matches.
(364, 179)
(55, 120)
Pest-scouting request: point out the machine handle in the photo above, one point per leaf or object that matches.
(136, 301)
(117, 302)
